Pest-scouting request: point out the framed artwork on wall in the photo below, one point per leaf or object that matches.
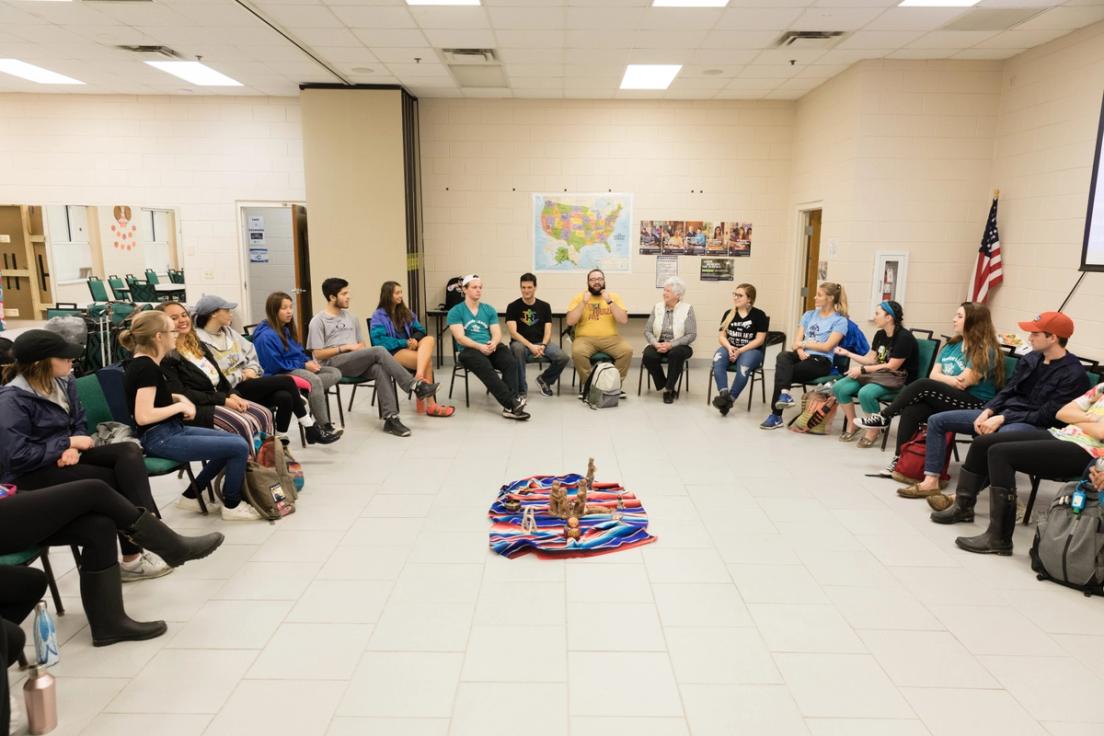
(890, 277)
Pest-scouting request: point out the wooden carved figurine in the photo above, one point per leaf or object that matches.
(528, 520)
(557, 501)
(590, 473)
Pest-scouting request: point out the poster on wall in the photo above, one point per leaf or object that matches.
(695, 238)
(890, 277)
(718, 269)
(666, 267)
(651, 237)
(124, 230)
(737, 238)
(258, 254)
(579, 232)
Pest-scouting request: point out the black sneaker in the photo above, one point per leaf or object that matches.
(424, 389)
(395, 427)
(518, 413)
(623, 395)
(545, 386)
(668, 397)
(317, 436)
(723, 402)
(329, 428)
(873, 421)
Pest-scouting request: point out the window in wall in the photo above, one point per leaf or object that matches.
(156, 232)
(70, 251)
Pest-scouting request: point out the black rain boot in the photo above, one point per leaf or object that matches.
(962, 510)
(150, 533)
(102, 596)
(997, 539)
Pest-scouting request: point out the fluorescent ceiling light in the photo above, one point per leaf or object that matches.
(442, 2)
(196, 73)
(689, 3)
(22, 69)
(938, 3)
(649, 76)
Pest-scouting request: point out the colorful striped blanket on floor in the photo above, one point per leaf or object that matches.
(624, 527)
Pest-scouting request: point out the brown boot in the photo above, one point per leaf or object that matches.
(940, 501)
(915, 491)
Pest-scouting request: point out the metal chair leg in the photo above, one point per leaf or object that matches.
(352, 396)
(1035, 479)
(51, 581)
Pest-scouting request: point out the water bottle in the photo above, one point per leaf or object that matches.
(45, 636)
(40, 698)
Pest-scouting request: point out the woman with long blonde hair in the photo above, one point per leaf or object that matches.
(820, 332)
(160, 414)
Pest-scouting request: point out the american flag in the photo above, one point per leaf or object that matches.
(987, 271)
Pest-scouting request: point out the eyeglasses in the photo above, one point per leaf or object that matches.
(738, 293)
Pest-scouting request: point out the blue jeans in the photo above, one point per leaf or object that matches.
(557, 361)
(219, 450)
(959, 421)
(745, 364)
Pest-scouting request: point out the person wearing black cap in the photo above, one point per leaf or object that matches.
(44, 437)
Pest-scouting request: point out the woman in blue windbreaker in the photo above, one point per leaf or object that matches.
(44, 438)
(397, 330)
(279, 352)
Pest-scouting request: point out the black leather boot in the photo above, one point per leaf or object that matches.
(997, 539)
(150, 533)
(962, 510)
(102, 596)
(318, 436)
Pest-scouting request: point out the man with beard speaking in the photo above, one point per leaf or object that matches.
(595, 314)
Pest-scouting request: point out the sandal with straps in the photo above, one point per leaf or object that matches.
(440, 410)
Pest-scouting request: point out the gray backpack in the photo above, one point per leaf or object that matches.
(1069, 547)
(603, 387)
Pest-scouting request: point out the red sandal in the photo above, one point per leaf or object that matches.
(440, 410)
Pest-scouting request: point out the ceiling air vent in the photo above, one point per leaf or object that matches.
(469, 56)
(809, 39)
(156, 50)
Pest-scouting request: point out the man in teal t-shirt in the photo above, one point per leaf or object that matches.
(477, 337)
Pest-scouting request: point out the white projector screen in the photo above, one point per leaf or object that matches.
(1092, 253)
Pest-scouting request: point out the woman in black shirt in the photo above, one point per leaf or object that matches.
(742, 337)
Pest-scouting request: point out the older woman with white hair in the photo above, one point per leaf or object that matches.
(669, 333)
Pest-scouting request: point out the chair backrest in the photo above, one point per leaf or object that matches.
(1094, 378)
(176, 275)
(774, 338)
(151, 277)
(841, 364)
(140, 292)
(922, 334)
(92, 398)
(114, 391)
(929, 349)
(64, 309)
(97, 289)
(118, 287)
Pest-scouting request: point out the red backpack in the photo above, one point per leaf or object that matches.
(911, 462)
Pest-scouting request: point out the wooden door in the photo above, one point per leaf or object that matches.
(15, 267)
(812, 258)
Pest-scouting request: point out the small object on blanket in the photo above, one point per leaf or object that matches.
(573, 522)
(572, 532)
(529, 520)
(557, 501)
(512, 504)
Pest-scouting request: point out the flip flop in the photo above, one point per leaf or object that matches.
(440, 410)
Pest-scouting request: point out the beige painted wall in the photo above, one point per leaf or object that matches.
(483, 159)
(1049, 110)
(353, 161)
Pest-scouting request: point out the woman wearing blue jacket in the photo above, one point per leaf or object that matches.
(44, 439)
(397, 330)
(279, 352)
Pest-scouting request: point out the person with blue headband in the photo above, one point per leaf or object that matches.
(893, 361)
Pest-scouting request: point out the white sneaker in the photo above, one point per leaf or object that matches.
(146, 567)
(191, 504)
(241, 512)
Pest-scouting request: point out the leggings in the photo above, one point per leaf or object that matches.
(20, 589)
(999, 456)
(256, 419)
(320, 383)
(122, 466)
(278, 392)
(87, 513)
(919, 400)
(788, 369)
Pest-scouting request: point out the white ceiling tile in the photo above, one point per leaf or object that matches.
(539, 94)
(523, 3)
(770, 3)
(821, 71)
(603, 72)
(603, 17)
(414, 81)
(536, 83)
(405, 54)
(356, 16)
(609, 3)
(918, 53)
(595, 57)
(878, 40)
(303, 16)
(659, 56)
(698, 70)
(472, 18)
(1066, 19)
(758, 85)
(758, 19)
(722, 57)
(419, 70)
(358, 56)
(220, 15)
(674, 38)
(684, 19)
(783, 56)
(536, 56)
(526, 19)
(699, 82)
(740, 39)
(460, 39)
(914, 19)
(530, 39)
(981, 54)
(849, 56)
(767, 71)
(951, 39)
(835, 19)
(1016, 39)
(1026, 3)
(390, 39)
(856, 3)
(59, 13)
(327, 37)
(487, 92)
(139, 14)
(608, 39)
(535, 70)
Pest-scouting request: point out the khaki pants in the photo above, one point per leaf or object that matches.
(614, 345)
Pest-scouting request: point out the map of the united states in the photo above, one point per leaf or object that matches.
(578, 227)
(582, 231)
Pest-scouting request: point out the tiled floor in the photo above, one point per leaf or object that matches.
(787, 594)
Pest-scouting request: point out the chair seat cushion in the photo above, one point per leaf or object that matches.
(355, 379)
(600, 357)
(160, 465)
(20, 558)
